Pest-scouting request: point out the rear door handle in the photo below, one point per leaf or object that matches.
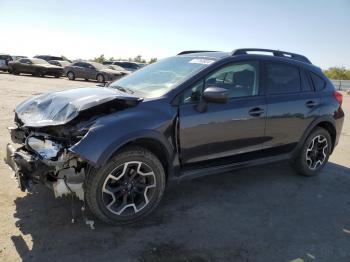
(256, 111)
(311, 103)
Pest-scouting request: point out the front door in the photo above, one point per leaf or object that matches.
(223, 130)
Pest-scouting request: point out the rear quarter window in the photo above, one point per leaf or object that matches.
(318, 82)
(306, 83)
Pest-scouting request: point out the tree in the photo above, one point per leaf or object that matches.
(152, 60)
(337, 73)
(99, 59)
(139, 59)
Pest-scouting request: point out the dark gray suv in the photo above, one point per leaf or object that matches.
(194, 114)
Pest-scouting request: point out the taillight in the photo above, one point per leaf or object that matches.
(338, 96)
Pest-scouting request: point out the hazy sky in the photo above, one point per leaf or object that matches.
(85, 29)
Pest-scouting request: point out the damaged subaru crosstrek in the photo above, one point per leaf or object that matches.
(194, 114)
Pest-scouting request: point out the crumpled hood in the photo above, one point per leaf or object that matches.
(57, 108)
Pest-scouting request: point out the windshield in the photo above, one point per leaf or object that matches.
(98, 65)
(115, 67)
(39, 61)
(159, 78)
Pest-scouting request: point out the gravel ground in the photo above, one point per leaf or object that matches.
(266, 213)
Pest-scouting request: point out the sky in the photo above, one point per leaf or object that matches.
(86, 29)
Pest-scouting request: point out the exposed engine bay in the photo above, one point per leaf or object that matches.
(47, 126)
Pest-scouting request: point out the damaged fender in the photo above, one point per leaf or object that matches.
(111, 132)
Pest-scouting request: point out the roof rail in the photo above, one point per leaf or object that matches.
(243, 51)
(194, 51)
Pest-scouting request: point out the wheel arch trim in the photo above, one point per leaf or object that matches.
(317, 123)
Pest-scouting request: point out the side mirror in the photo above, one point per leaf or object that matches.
(213, 94)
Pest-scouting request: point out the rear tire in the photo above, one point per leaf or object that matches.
(126, 189)
(314, 154)
(70, 75)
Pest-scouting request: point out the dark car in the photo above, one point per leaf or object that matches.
(194, 114)
(61, 63)
(16, 57)
(35, 66)
(51, 57)
(94, 71)
(4, 62)
(129, 66)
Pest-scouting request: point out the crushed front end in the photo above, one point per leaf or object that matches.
(48, 125)
(37, 157)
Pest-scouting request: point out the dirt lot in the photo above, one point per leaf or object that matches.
(266, 213)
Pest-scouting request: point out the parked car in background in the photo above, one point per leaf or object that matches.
(50, 57)
(92, 70)
(61, 63)
(4, 62)
(15, 57)
(119, 69)
(35, 66)
(130, 66)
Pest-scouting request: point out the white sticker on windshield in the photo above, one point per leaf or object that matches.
(201, 61)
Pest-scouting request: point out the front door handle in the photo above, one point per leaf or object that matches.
(256, 111)
(311, 104)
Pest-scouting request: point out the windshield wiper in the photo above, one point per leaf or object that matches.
(123, 89)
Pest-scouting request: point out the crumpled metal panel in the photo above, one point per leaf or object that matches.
(57, 108)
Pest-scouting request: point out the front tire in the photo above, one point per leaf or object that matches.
(314, 154)
(70, 75)
(100, 78)
(127, 188)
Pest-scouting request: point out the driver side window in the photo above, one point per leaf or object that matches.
(239, 79)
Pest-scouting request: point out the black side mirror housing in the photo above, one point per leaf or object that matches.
(213, 94)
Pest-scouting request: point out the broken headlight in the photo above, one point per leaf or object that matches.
(44, 147)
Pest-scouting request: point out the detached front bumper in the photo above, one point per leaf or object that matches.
(28, 168)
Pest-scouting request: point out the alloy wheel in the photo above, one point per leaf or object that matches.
(128, 188)
(316, 152)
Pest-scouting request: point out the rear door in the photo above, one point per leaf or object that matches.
(223, 130)
(78, 70)
(292, 104)
(90, 71)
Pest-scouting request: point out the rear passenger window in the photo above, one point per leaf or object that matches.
(306, 83)
(282, 78)
(318, 82)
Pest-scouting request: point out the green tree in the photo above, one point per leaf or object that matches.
(139, 59)
(338, 73)
(99, 59)
(152, 60)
